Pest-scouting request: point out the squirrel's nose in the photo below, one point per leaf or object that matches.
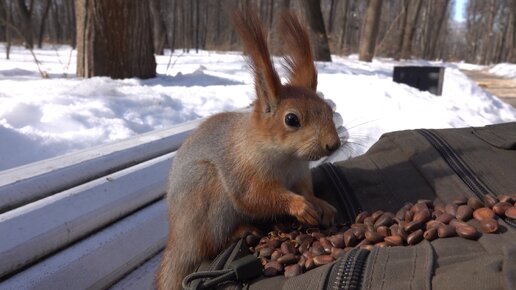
(334, 146)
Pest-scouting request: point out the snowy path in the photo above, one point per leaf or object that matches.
(45, 118)
(504, 88)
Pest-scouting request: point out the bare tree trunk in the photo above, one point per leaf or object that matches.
(3, 15)
(43, 23)
(435, 39)
(429, 21)
(56, 25)
(114, 38)
(344, 25)
(512, 57)
(9, 17)
(173, 29)
(186, 44)
(405, 6)
(331, 17)
(313, 14)
(371, 22)
(70, 16)
(473, 30)
(206, 19)
(503, 53)
(232, 35)
(218, 29)
(190, 26)
(275, 40)
(506, 40)
(171, 23)
(158, 27)
(413, 10)
(385, 44)
(26, 22)
(8, 39)
(270, 15)
(487, 39)
(197, 21)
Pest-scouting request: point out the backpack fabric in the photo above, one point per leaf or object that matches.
(406, 166)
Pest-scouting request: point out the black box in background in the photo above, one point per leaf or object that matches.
(424, 78)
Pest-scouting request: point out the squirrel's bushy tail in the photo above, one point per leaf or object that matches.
(176, 264)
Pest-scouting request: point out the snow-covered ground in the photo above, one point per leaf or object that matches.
(42, 118)
(507, 70)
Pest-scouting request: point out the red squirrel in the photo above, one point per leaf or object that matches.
(237, 167)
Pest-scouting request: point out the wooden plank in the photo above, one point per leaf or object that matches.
(31, 182)
(103, 258)
(142, 278)
(49, 224)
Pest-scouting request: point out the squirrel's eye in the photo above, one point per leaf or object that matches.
(292, 120)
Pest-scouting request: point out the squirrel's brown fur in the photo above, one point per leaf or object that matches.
(238, 167)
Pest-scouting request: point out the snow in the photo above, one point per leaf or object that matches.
(506, 70)
(41, 118)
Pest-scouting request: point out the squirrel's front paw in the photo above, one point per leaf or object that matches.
(303, 210)
(327, 210)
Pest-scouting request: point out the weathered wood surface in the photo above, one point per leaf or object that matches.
(52, 223)
(25, 184)
(102, 259)
(89, 220)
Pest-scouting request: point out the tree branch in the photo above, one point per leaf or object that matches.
(12, 26)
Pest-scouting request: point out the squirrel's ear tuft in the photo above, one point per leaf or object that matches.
(267, 81)
(298, 53)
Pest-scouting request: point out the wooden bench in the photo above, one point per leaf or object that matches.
(92, 219)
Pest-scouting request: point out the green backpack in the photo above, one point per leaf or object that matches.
(438, 165)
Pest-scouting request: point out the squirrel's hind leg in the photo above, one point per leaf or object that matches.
(193, 225)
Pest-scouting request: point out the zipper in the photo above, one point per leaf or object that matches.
(348, 201)
(460, 167)
(348, 272)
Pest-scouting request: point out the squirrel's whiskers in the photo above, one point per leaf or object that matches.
(237, 167)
